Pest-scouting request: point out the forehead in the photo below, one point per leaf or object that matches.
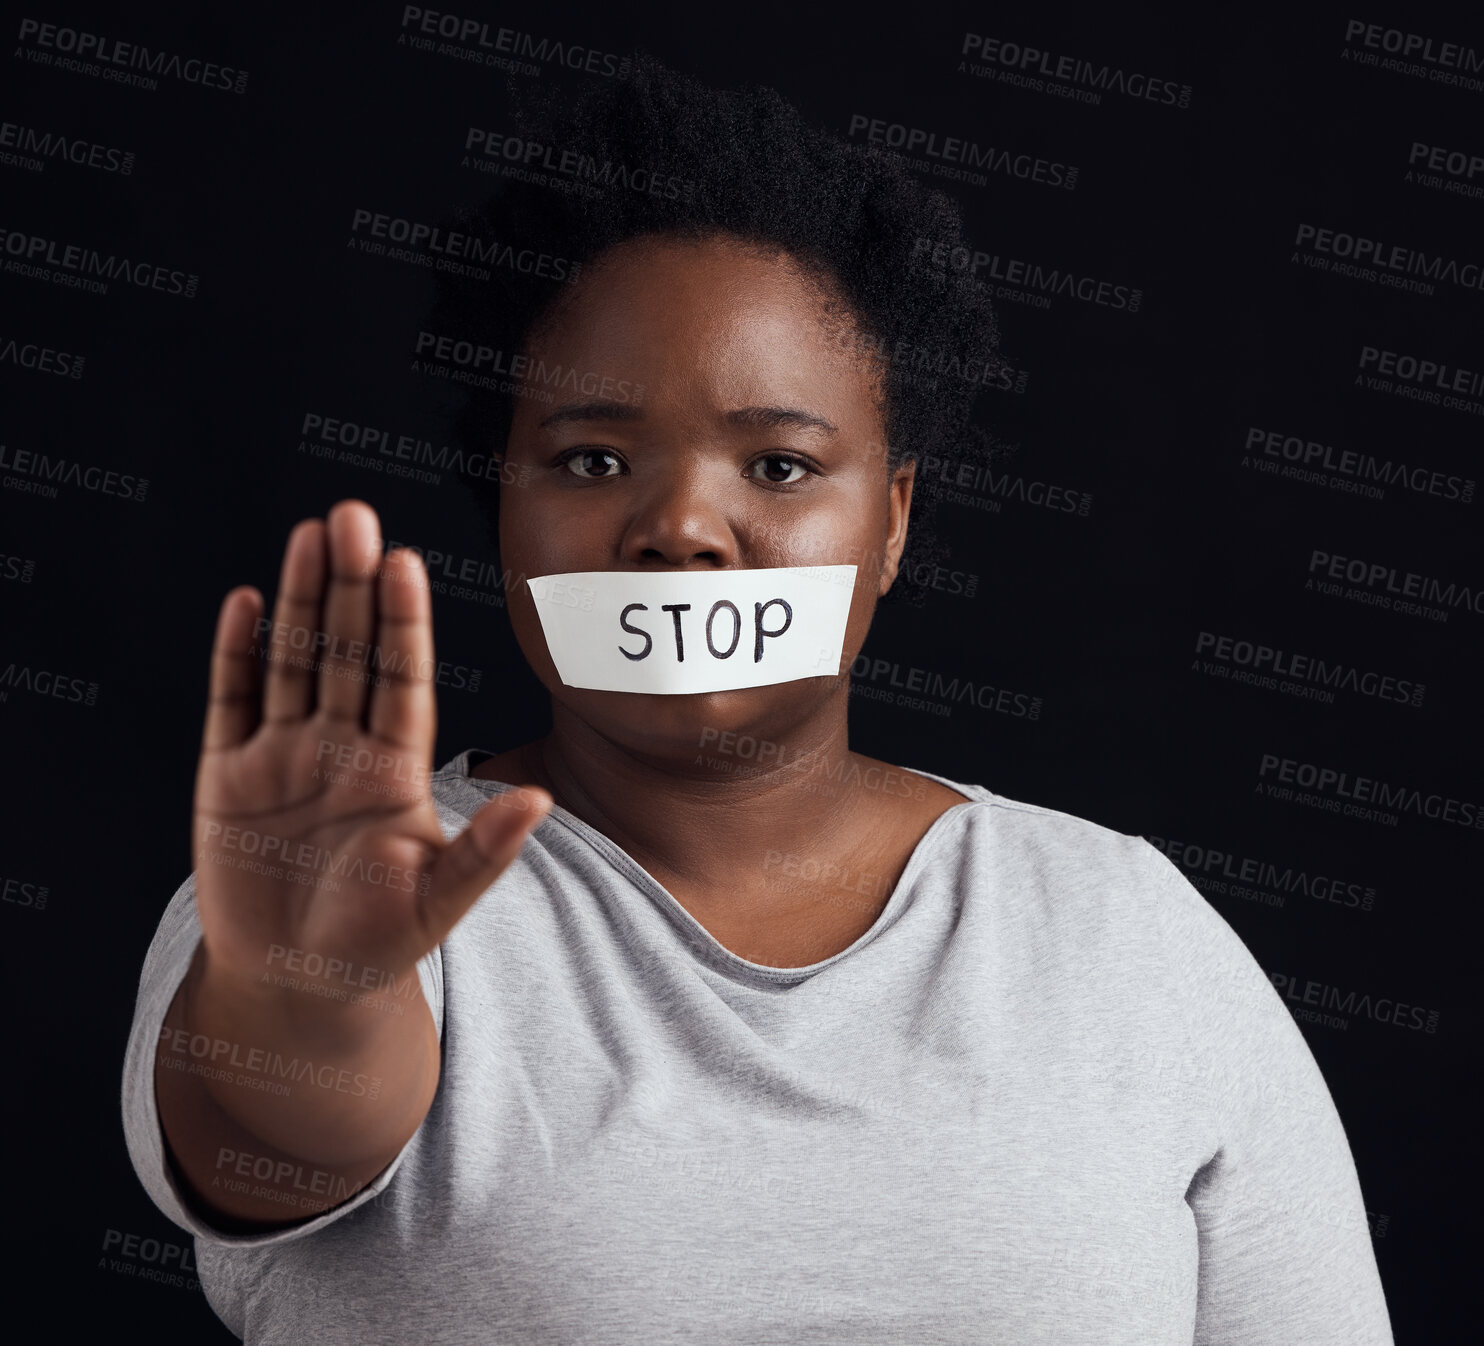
(716, 319)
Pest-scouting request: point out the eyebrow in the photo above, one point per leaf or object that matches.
(752, 418)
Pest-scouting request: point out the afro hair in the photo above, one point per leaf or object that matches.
(661, 153)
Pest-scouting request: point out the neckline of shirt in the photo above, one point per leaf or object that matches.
(701, 940)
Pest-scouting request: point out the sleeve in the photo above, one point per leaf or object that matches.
(165, 966)
(1285, 1245)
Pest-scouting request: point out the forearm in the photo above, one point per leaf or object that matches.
(277, 1105)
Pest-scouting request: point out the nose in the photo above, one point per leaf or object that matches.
(679, 520)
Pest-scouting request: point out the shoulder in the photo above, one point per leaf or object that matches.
(1114, 909)
(1054, 844)
(1095, 887)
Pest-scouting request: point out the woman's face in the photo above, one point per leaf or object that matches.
(682, 462)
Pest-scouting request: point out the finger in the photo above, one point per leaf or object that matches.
(479, 855)
(404, 705)
(289, 685)
(232, 697)
(347, 661)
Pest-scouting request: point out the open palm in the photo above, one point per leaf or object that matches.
(314, 826)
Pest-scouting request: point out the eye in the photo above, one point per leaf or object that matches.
(590, 464)
(777, 467)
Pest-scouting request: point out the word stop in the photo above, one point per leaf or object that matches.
(721, 605)
(694, 631)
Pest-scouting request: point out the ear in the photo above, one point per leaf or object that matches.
(899, 506)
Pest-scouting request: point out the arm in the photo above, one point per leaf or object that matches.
(1285, 1248)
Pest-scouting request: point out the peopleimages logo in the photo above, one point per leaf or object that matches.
(1030, 67)
(1314, 461)
(567, 168)
(262, 1068)
(960, 157)
(1392, 264)
(79, 50)
(474, 40)
(33, 149)
(1447, 169)
(451, 249)
(21, 569)
(1413, 54)
(1248, 660)
(1041, 283)
(87, 268)
(1383, 1009)
(41, 474)
(939, 692)
(41, 359)
(47, 683)
(1208, 867)
(1421, 380)
(1381, 581)
(978, 486)
(1333, 785)
(1422, 371)
(515, 371)
(24, 894)
(345, 441)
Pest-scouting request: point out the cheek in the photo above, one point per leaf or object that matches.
(526, 625)
(535, 534)
(845, 532)
(862, 602)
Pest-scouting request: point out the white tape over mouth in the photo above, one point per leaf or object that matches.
(684, 631)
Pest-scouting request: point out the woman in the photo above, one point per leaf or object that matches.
(605, 1038)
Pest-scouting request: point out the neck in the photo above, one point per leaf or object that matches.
(708, 816)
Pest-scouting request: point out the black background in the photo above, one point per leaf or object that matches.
(1094, 615)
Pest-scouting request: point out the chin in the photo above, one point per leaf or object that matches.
(664, 724)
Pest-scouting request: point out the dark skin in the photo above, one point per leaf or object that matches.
(682, 481)
(326, 762)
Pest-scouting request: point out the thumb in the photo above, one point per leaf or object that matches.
(481, 853)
